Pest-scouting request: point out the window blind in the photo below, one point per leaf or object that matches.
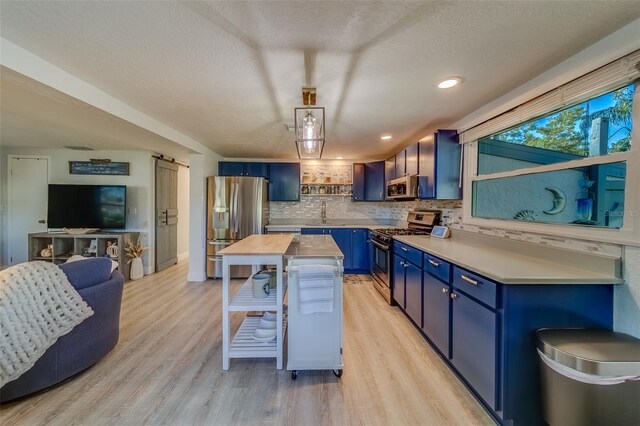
(606, 78)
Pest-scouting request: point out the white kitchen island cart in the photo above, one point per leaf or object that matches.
(314, 340)
(255, 250)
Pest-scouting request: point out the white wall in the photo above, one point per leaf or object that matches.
(201, 166)
(139, 188)
(183, 213)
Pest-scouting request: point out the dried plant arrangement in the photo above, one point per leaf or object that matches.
(135, 250)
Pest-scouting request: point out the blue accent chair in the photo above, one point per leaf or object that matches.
(89, 341)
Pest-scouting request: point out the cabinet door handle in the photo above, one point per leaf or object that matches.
(367, 240)
(403, 249)
(469, 280)
(454, 296)
(433, 263)
(445, 290)
(42, 221)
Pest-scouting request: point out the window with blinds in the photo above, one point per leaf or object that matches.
(566, 162)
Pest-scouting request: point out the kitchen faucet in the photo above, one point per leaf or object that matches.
(323, 212)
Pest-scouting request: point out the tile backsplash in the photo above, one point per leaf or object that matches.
(339, 207)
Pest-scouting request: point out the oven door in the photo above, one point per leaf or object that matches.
(381, 262)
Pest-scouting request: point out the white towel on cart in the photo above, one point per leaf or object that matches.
(315, 288)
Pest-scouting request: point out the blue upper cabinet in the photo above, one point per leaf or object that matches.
(439, 167)
(401, 162)
(238, 168)
(411, 162)
(390, 169)
(374, 185)
(368, 181)
(358, 182)
(284, 182)
(230, 168)
(406, 162)
(257, 170)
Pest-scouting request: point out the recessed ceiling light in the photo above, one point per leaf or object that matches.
(449, 83)
(385, 137)
(338, 158)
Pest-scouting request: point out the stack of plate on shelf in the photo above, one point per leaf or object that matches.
(266, 330)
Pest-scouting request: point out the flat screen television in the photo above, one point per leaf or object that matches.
(87, 206)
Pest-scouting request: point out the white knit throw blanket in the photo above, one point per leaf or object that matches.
(38, 304)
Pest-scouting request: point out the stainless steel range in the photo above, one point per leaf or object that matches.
(421, 222)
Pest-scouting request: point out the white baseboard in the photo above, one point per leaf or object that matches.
(183, 256)
(196, 276)
(148, 270)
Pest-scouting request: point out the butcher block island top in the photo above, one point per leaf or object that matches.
(260, 245)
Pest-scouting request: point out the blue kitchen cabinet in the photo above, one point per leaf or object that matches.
(284, 182)
(485, 330)
(360, 251)
(413, 292)
(358, 186)
(353, 243)
(390, 169)
(256, 170)
(411, 160)
(374, 185)
(436, 308)
(312, 231)
(398, 280)
(473, 345)
(342, 237)
(401, 162)
(230, 168)
(439, 166)
(237, 168)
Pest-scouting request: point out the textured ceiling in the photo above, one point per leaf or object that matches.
(229, 74)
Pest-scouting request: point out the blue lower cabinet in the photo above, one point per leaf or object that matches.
(360, 248)
(436, 308)
(413, 292)
(473, 345)
(342, 237)
(398, 280)
(312, 231)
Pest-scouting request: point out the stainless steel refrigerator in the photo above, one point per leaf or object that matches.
(236, 208)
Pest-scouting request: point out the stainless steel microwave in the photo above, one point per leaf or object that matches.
(404, 187)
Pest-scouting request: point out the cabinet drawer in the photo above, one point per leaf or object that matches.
(475, 286)
(409, 253)
(437, 267)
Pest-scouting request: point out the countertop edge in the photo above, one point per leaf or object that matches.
(596, 279)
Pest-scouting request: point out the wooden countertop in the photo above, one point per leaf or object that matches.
(259, 245)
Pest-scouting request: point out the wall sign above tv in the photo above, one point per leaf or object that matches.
(98, 168)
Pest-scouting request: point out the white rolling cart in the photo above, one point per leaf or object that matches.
(314, 340)
(255, 250)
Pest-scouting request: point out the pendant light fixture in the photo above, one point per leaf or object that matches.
(309, 123)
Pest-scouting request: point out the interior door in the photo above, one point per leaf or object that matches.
(28, 192)
(166, 214)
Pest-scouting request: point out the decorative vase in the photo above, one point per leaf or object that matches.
(137, 271)
(585, 210)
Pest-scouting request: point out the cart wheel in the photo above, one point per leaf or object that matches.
(294, 374)
(338, 373)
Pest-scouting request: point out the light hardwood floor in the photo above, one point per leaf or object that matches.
(167, 369)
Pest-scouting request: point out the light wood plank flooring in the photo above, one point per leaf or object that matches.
(167, 369)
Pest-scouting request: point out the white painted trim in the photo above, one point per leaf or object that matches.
(196, 277)
(630, 233)
(183, 256)
(9, 185)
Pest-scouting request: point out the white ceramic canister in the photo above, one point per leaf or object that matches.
(260, 286)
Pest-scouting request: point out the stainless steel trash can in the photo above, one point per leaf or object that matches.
(589, 377)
